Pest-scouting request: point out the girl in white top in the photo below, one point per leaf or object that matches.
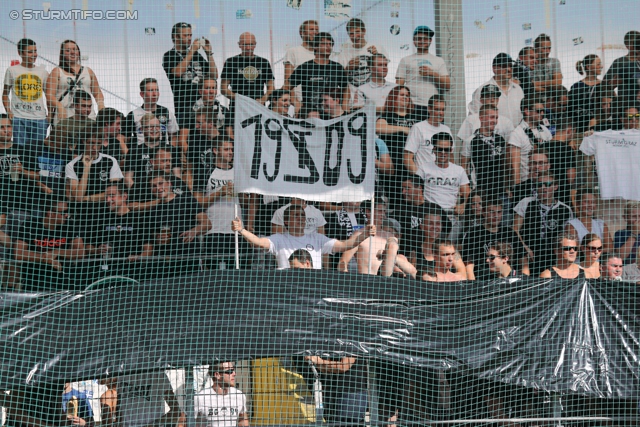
(584, 223)
(68, 77)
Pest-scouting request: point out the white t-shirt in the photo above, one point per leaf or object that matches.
(221, 410)
(617, 161)
(504, 127)
(419, 141)
(167, 121)
(141, 398)
(283, 245)
(222, 211)
(442, 185)
(362, 74)
(315, 219)
(295, 56)
(376, 93)
(422, 88)
(508, 103)
(27, 90)
(520, 139)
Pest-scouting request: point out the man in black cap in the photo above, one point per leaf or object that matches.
(423, 73)
(511, 93)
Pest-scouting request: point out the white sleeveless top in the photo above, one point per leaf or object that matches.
(66, 82)
(597, 226)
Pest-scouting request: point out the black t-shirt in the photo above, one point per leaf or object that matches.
(200, 156)
(220, 112)
(125, 234)
(315, 78)
(15, 195)
(41, 239)
(247, 75)
(488, 155)
(185, 87)
(410, 218)
(477, 243)
(139, 162)
(523, 74)
(628, 72)
(540, 230)
(49, 165)
(526, 188)
(103, 170)
(396, 141)
(113, 149)
(339, 225)
(172, 219)
(561, 159)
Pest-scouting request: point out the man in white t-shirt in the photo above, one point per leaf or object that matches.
(510, 93)
(527, 135)
(424, 74)
(283, 245)
(222, 404)
(378, 88)
(315, 221)
(147, 399)
(354, 56)
(446, 184)
(294, 56)
(417, 150)
(23, 96)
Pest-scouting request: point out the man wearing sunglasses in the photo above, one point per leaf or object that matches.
(222, 404)
(539, 221)
(446, 184)
(527, 135)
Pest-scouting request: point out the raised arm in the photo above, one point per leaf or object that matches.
(259, 242)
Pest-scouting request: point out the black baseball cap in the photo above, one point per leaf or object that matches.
(502, 59)
(423, 29)
(490, 91)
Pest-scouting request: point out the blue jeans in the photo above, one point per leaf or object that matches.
(28, 131)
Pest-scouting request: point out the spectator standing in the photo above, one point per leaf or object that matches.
(356, 56)
(511, 94)
(626, 241)
(318, 75)
(132, 127)
(82, 107)
(199, 156)
(209, 98)
(539, 221)
(245, 74)
(548, 71)
(563, 155)
(23, 96)
(283, 245)
(222, 404)
(423, 73)
(529, 133)
(557, 100)
(523, 70)
(377, 88)
(581, 99)
(418, 150)
(297, 55)
(314, 222)
(186, 68)
(538, 163)
(623, 73)
(68, 77)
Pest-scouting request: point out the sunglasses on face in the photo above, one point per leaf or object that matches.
(437, 149)
(570, 248)
(547, 184)
(228, 371)
(595, 248)
(633, 116)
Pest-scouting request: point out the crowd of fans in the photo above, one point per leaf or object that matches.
(151, 194)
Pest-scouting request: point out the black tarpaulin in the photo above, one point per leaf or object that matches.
(565, 336)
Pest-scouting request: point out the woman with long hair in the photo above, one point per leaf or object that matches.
(68, 77)
(591, 249)
(393, 127)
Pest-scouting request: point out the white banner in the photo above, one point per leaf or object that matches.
(320, 160)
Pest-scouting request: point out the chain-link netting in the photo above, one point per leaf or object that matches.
(173, 174)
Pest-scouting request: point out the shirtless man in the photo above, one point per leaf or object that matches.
(444, 261)
(382, 251)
